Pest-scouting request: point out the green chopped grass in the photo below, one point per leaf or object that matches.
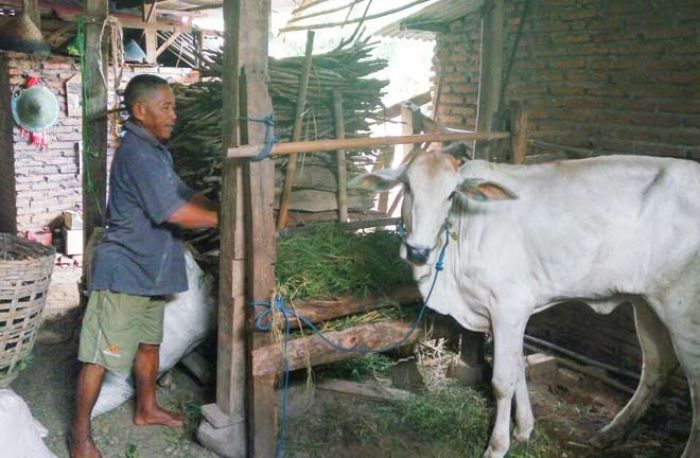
(330, 262)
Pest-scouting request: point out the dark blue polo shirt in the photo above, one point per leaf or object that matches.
(142, 254)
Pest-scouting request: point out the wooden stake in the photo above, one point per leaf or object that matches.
(315, 146)
(94, 122)
(296, 133)
(342, 163)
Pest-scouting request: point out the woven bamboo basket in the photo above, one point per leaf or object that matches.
(25, 273)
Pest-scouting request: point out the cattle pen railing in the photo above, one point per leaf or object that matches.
(251, 361)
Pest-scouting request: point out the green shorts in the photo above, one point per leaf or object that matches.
(115, 324)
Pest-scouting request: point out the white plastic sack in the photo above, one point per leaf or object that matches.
(189, 317)
(20, 433)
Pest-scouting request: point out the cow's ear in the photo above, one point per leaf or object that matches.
(381, 180)
(484, 191)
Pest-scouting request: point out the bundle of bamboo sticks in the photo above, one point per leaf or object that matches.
(197, 140)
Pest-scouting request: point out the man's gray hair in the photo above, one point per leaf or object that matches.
(138, 87)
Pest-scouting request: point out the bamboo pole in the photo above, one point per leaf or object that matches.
(342, 163)
(296, 133)
(315, 146)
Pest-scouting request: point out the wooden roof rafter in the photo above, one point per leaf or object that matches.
(306, 5)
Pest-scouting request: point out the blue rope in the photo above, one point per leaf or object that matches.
(270, 139)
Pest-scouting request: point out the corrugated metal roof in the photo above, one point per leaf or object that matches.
(423, 24)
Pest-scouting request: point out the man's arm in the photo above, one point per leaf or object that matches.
(198, 212)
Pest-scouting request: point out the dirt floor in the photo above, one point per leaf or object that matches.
(569, 408)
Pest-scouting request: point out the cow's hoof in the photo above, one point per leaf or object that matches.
(491, 453)
(604, 437)
(522, 436)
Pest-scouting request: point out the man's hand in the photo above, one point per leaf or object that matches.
(199, 212)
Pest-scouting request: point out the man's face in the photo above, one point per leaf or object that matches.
(156, 112)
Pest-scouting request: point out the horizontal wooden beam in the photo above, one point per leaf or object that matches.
(315, 146)
(314, 351)
(318, 311)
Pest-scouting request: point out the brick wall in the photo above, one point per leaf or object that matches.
(618, 76)
(48, 181)
(621, 76)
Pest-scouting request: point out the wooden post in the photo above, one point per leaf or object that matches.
(491, 73)
(342, 163)
(31, 9)
(296, 133)
(150, 32)
(518, 138)
(94, 123)
(225, 429)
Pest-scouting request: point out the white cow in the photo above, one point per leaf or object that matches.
(599, 231)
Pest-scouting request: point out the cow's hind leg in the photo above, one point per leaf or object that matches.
(658, 362)
(507, 366)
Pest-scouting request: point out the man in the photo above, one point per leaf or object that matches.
(139, 261)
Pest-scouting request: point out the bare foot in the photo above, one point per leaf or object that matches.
(158, 416)
(84, 448)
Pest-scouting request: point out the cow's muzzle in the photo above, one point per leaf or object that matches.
(417, 255)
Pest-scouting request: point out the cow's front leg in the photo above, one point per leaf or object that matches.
(507, 367)
(524, 420)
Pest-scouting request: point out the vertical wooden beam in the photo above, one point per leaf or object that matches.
(225, 429)
(286, 196)
(150, 31)
(31, 9)
(340, 157)
(94, 122)
(492, 57)
(260, 233)
(518, 134)
(198, 37)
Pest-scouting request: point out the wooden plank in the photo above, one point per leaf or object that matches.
(518, 139)
(374, 392)
(94, 122)
(150, 32)
(394, 110)
(296, 133)
(493, 40)
(315, 351)
(340, 157)
(315, 146)
(171, 39)
(31, 9)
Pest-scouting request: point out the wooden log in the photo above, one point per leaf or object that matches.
(296, 133)
(342, 163)
(518, 139)
(315, 146)
(312, 349)
(318, 311)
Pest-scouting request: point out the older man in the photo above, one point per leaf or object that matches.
(139, 261)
